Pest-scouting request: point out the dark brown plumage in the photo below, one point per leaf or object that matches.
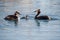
(12, 17)
(41, 17)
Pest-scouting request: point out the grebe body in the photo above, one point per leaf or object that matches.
(12, 17)
(45, 17)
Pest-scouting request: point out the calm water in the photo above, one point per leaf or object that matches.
(30, 29)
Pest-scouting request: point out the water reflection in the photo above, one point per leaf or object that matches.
(37, 22)
(12, 22)
(16, 23)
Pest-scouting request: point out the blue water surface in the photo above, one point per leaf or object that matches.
(30, 29)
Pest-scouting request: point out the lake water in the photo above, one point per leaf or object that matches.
(30, 29)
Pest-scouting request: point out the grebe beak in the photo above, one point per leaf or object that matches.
(36, 11)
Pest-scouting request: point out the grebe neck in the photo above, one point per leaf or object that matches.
(37, 14)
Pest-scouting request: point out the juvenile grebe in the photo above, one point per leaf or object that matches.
(12, 17)
(41, 17)
(26, 17)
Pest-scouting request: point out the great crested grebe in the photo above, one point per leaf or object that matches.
(13, 17)
(41, 17)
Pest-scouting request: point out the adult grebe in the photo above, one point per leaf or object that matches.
(12, 17)
(41, 17)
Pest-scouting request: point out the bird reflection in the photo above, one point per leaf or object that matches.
(37, 22)
(13, 22)
(16, 23)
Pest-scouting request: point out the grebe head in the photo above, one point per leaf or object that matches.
(17, 13)
(38, 11)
